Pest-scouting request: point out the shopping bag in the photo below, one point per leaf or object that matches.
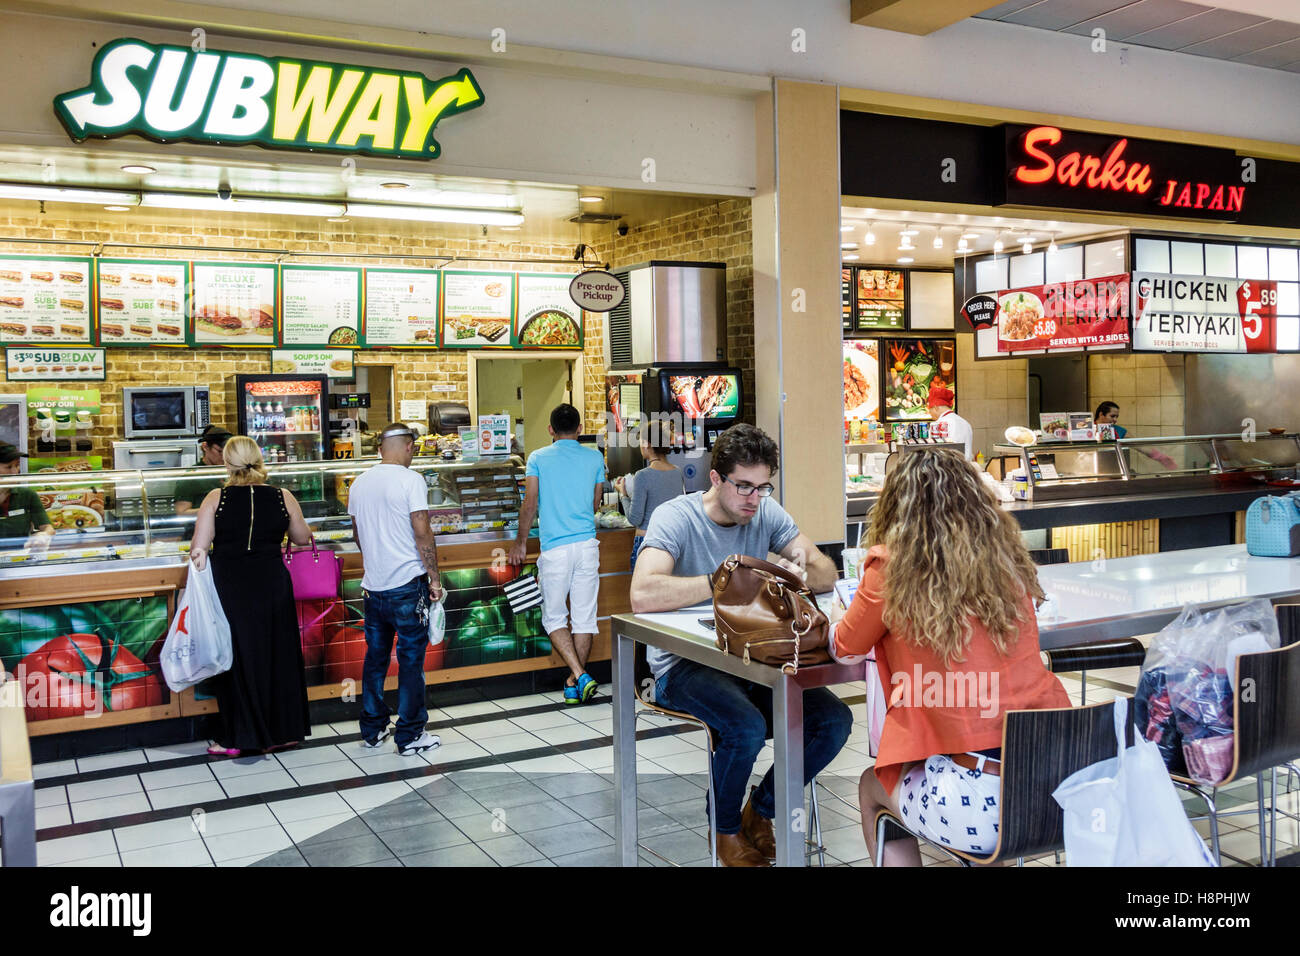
(1125, 812)
(198, 642)
(437, 623)
(523, 593)
(877, 704)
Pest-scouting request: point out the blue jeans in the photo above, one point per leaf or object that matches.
(740, 714)
(637, 540)
(403, 609)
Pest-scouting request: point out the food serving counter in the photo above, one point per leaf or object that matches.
(82, 623)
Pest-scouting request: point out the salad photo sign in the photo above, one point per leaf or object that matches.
(912, 367)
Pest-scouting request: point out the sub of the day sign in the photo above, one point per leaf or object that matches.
(1179, 313)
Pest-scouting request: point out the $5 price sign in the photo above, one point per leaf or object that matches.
(1257, 305)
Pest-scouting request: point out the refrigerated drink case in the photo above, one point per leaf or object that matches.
(285, 414)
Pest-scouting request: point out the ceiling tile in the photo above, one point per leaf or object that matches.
(1274, 56)
(1269, 33)
(1203, 26)
(1058, 14)
(1138, 18)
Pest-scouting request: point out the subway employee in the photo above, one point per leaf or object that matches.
(21, 513)
(190, 492)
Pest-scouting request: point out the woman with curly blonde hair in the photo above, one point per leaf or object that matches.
(262, 699)
(946, 598)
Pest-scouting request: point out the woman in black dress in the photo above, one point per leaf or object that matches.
(263, 697)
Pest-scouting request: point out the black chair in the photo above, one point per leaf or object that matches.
(1040, 748)
(1050, 555)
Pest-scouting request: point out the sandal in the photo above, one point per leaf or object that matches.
(217, 750)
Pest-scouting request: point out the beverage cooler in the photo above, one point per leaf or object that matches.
(286, 415)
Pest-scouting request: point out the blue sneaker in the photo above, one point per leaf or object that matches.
(586, 687)
(571, 695)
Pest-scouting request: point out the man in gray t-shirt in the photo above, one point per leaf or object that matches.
(685, 542)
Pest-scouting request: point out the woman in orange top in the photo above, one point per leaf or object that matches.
(946, 598)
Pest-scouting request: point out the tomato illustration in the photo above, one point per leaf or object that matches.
(77, 674)
(502, 573)
(345, 655)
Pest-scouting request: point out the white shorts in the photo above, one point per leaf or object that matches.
(572, 572)
(951, 805)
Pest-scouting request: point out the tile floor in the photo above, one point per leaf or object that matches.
(517, 782)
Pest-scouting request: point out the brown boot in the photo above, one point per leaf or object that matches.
(735, 850)
(758, 828)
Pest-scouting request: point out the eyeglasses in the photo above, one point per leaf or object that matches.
(744, 489)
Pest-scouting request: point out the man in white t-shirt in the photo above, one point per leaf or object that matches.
(389, 505)
(948, 425)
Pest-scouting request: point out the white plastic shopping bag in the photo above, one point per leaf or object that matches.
(437, 623)
(1125, 812)
(877, 704)
(198, 643)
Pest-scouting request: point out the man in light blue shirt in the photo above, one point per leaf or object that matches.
(565, 481)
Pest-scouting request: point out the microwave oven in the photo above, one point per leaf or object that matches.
(165, 411)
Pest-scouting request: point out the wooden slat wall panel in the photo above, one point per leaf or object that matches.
(1114, 540)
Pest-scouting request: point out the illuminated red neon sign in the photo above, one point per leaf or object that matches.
(1110, 170)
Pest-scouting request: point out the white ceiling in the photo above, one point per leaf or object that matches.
(1176, 25)
(888, 225)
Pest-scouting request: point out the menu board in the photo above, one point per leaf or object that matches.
(846, 298)
(234, 304)
(401, 307)
(477, 309)
(547, 317)
(882, 296)
(1178, 313)
(336, 363)
(912, 368)
(320, 305)
(141, 301)
(862, 379)
(1064, 315)
(54, 365)
(44, 299)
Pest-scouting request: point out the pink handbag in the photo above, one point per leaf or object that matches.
(315, 577)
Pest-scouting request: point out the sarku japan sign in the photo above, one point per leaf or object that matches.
(170, 94)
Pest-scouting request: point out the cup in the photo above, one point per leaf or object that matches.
(853, 558)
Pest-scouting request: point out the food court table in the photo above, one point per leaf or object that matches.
(1124, 597)
(17, 789)
(681, 633)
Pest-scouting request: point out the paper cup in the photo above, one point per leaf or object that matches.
(853, 558)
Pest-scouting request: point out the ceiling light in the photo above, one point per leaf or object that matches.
(938, 239)
(997, 244)
(848, 245)
(591, 199)
(394, 184)
(904, 260)
(971, 236)
(870, 237)
(275, 207)
(962, 247)
(1051, 250)
(117, 208)
(906, 245)
(61, 194)
(139, 169)
(508, 228)
(850, 257)
(474, 217)
(846, 227)
(1027, 247)
(337, 219)
(909, 230)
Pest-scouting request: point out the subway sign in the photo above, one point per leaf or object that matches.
(175, 94)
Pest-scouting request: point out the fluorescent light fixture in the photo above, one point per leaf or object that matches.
(117, 208)
(848, 245)
(846, 227)
(338, 219)
(99, 197)
(139, 169)
(850, 257)
(277, 207)
(905, 260)
(591, 199)
(1027, 237)
(508, 228)
(474, 217)
(909, 230)
(969, 236)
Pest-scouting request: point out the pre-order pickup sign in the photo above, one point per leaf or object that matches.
(1176, 313)
(1064, 315)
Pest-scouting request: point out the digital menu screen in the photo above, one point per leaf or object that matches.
(846, 298)
(706, 396)
(881, 299)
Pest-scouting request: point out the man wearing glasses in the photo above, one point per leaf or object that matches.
(686, 540)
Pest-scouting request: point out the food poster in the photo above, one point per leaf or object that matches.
(66, 365)
(846, 298)
(862, 380)
(335, 363)
(706, 396)
(882, 297)
(45, 299)
(622, 400)
(320, 305)
(546, 316)
(1180, 313)
(234, 304)
(76, 660)
(62, 421)
(401, 307)
(142, 302)
(477, 309)
(912, 368)
(1064, 315)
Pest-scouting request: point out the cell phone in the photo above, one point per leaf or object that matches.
(708, 622)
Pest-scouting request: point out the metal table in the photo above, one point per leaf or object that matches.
(17, 788)
(680, 633)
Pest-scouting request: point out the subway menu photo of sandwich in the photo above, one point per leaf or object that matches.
(112, 329)
(234, 321)
(12, 301)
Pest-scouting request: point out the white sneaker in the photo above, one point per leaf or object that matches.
(378, 741)
(426, 741)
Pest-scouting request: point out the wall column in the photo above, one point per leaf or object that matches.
(797, 322)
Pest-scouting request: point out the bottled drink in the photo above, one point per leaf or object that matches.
(278, 417)
(315, 419)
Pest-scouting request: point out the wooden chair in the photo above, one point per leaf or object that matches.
(1266, 737)
(648, 706)
(1040, 748)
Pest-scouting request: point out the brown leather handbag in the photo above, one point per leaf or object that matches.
(764, 613)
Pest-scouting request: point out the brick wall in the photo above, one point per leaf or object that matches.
(719, 233)
(415, 371)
